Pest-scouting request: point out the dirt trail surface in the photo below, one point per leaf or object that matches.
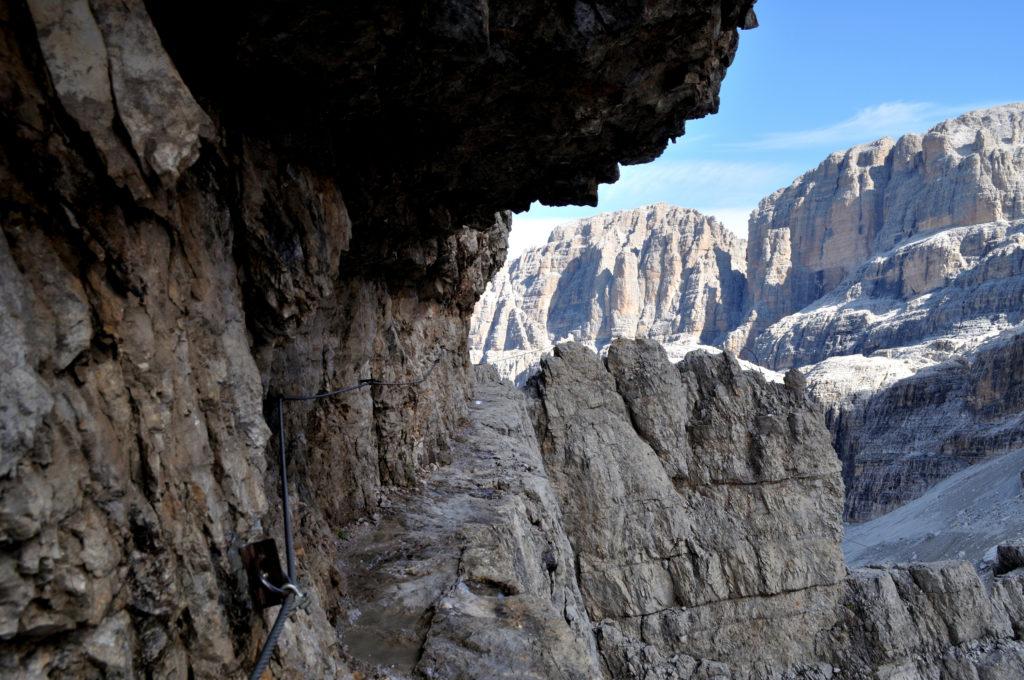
(471, 574)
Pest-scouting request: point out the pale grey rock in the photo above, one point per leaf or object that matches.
(684, 524)
(807, 238)
(893, 274)
(921, 621)
(106, 61)
(656, 271)
(164, 122)
(890, 259)
(24, 399)
(79, 66)
(905, 418)
(948, 291)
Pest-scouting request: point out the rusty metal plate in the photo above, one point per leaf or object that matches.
(261, 559)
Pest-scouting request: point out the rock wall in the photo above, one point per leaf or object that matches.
(894, 273)
(656, 271)
(807, 238)
(192, 226)
(918, 424)
(703, 508)
(904, 349)
(702, 504)
(666, 521)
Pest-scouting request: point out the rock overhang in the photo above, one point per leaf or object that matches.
(450, 110)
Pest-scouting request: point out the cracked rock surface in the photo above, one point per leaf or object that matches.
(626, 534)
(204, 207)
(472, 574)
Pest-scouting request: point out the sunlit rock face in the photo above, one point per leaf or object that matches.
(888, 259)
(807, 238)
(653, 272)
(894, 274)
(703, 504)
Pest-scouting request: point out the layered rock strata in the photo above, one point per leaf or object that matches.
(702, 503)
(750, 584)
(181, 246)
(471, 575)
(927, 416)
(894, 273)
(806, 239)
(656, 271)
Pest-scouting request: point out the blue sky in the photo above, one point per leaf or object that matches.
(819, 76)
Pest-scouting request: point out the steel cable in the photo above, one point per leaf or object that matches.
(294, 594)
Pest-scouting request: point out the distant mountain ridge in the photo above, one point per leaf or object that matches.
(891, 259)
(654, 272)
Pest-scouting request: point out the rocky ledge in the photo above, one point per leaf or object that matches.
(631, 518)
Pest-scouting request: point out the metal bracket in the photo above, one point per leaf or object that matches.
(263, 568)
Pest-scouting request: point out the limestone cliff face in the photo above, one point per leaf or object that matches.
(905, 421)
(888, 259)
(807, 238)
(655, 272)
(706, 548)
(893, 310)
(693, 532)
(192, 226)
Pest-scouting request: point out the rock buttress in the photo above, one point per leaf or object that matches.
(703, 505)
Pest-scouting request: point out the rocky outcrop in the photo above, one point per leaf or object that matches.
(471, 575)
(921, 621)
(894, 274)
(706, 547)
(867, 271)
(948, 292)
(666, 521)
(702, 504)
(657, 271)
(914, 354)
(203, 209)
(921, 420)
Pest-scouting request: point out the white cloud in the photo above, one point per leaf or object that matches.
(887, 118)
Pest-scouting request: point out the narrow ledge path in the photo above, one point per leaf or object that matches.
(471, 574)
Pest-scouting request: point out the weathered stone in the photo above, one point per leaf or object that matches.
(870, 273)
(145, 332)
(684, 534)
(472, 575)
(807, 238)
